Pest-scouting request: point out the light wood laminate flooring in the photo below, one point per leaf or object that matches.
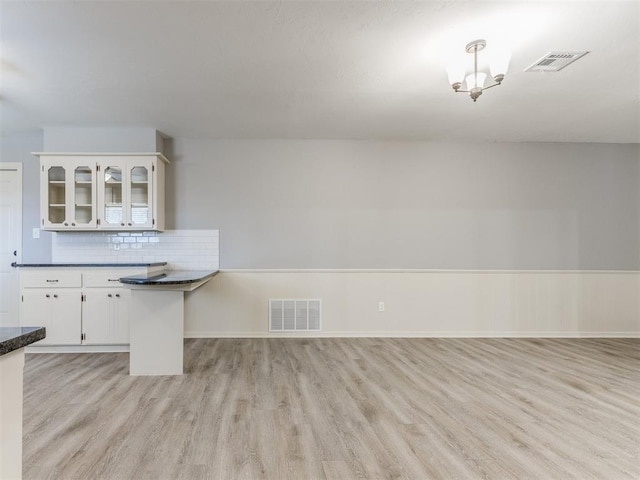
(347, 408)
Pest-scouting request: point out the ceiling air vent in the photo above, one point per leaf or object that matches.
(555, 61)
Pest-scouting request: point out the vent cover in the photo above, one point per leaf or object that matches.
(555, 61)
(298, 315)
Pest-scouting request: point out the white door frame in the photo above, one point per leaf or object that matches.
(17, 166)
(11, 290)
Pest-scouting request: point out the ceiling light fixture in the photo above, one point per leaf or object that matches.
(499, 63)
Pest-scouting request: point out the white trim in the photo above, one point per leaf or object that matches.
(419, 270)
(77, 349)
(436, 334)
(102, 154)
(17, 166)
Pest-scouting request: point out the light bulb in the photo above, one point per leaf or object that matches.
(471, 80)
(456, 72)
(499, 64)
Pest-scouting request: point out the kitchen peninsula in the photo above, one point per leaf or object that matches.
(157, 320)
(12, 343)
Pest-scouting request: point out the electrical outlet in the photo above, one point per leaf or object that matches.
(381, 306)
(36, 233)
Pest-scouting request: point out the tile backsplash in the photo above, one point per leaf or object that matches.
(182, 249)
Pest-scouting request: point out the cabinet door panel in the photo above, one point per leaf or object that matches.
(112, 194)
(68, 193)
(57, 310)
(105, 316)
(122, 314)
(53, 196)
(83, 203)
(66, 317)
(35, 312)
(140, 193)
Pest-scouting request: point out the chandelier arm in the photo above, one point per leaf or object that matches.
(491, 86)
(462, 91)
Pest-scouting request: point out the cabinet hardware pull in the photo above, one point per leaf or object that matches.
(66, 224)
(47, 295)
(117, 295)
(73, 224)
(55, 295)
(109, 295)
(129, 224)
(122, 224)
(114, 279)
(52, 281)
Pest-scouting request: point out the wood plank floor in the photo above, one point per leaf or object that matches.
(341, 409)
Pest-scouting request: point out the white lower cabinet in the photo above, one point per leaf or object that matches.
(105, 316)
(56, 309)
(77, 307)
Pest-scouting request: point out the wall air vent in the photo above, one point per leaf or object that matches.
(299, 315)
(555, 61)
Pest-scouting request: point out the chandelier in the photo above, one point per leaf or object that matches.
(474, 81)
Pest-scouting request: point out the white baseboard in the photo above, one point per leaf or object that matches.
(77, 349)
(437, 334)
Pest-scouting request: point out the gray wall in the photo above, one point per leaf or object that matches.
(350, 204)
(18, 148)
(102, 139)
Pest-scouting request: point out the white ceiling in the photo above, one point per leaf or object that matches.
(304, 69)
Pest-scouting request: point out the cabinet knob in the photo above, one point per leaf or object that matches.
(66, 224)
(129, 224)
(122, 224)
(118, 295)
(109, 295)
(47, 295)
(55, 295)
(73, 224)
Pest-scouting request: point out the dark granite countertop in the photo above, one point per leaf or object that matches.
(13, 338)
(170, 277)
(92, 265)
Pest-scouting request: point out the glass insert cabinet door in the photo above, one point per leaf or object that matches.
(56, 193)
(126, 194)
(139, 195)
(112, 196)
(68, 195)
(84, 196)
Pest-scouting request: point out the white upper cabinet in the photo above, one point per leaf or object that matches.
(125, 191)
(102, 191)
(68, 194)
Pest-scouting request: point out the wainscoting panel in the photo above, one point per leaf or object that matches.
(423, 303)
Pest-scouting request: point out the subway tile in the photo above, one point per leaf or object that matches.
(182, 249)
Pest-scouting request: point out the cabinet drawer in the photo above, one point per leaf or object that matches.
(107, 278)
(51, 279)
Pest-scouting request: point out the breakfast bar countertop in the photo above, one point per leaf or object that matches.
(13, 338)
(169, 277)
